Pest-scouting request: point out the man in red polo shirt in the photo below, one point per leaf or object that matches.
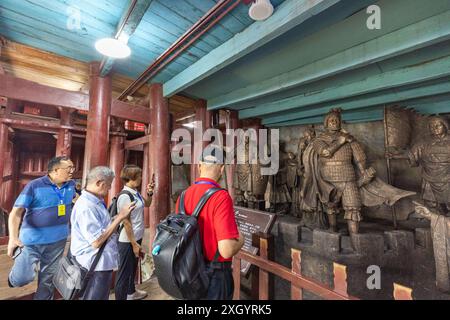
(217, 225)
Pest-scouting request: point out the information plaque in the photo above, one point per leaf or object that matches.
(251, 221)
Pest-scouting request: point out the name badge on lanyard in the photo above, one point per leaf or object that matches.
(61, 210)
(61, 205)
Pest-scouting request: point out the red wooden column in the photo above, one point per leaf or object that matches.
(146, 178)
(232, 123)
(159, 156)
(64, 141)
(203, 120)
(3, 148)
(97, 136)
(116, 161)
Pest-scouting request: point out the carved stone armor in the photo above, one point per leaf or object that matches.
(339, 170)
(434, 158)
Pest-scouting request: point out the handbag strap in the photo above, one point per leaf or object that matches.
(88, 275)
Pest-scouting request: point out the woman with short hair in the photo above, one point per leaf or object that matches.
(130, 235)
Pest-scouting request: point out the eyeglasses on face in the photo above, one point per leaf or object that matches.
(70, 168)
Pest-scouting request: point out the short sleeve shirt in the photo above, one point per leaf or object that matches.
(216, 220)
(89, 221)
(42, 224)
(136, 216)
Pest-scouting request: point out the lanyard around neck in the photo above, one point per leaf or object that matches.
(59, 193)
(207, 182)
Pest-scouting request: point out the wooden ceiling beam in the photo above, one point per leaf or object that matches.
(130, 144)
(34, 92)
(126, 27)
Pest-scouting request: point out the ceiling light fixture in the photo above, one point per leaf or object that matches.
(114, 48)
(260, 10)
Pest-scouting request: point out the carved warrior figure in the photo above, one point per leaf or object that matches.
(292, 181)
(440, 234)
(248, 182)
(433, 155)
(312, 217)
(279, 196)
(336, 174)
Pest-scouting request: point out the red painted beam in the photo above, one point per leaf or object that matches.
(21, 89)
(137, 142)
(39, 124)
(38, 93)
(128, 111)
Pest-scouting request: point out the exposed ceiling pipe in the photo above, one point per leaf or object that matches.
(161, 61)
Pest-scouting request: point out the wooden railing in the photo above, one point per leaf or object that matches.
(266, 268)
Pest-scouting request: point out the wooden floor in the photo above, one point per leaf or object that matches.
(151, 286)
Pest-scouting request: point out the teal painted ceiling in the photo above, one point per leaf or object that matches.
(51, 25)
(328, 58)
(334, 60)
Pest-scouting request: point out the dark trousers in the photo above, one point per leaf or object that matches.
(98, 286)
(221, 285)
(127, 271)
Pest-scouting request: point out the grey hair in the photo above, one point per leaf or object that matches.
(99, 173)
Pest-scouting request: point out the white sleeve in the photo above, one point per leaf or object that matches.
(122, 202)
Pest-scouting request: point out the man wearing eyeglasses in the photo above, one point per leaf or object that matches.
(47, 203)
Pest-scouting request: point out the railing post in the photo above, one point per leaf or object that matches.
(255, 270)
(237, 278)
(266, 281)
(296, 267)
(340, 279)
(402, 292)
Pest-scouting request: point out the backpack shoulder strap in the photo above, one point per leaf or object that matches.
(130, 195)
(203, 200)
(181, 207)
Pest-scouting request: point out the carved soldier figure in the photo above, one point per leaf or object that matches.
(242, 180)
(433, 155)
(440, 234)
(250, 185)
(292, 167)
(279, 196)
(338, 152)
(293, 182)
(311, 211)
(304, 141)
(337, 176)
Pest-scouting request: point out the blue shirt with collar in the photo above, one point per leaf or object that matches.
(89, 221)
(41, 223)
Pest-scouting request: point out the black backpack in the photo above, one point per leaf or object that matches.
(113, 207)
(178, 253)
